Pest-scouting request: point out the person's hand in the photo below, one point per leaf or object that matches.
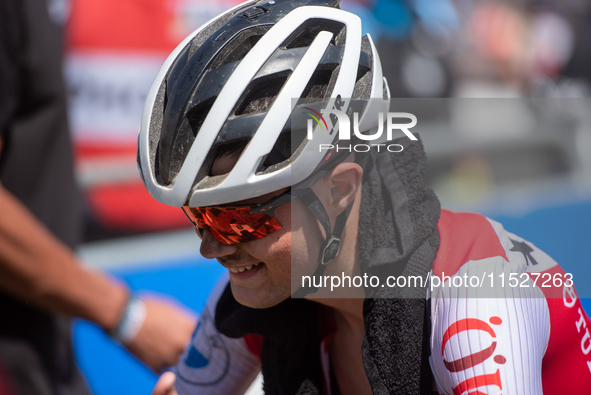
(165, 385)
(166, 331)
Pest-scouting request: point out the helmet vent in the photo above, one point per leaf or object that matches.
(318, 85)
(289, 140)
(307, 32)
(197, 115)
(240, 45)
(260, 94)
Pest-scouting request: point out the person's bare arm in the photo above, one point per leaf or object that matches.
(37, 267)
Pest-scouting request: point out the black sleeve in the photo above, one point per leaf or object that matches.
(10, 42)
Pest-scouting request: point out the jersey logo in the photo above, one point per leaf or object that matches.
(526, 250)
(195, 359)
(475, 358)
(208, 360)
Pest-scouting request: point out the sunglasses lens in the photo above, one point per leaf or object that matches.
(232, 226)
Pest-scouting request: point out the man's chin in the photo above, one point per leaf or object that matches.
(256, 299)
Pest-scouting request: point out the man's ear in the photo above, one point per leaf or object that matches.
(342, 185)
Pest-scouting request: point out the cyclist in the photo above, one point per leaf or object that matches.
(217, 140)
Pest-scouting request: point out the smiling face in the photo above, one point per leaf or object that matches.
(261, 270)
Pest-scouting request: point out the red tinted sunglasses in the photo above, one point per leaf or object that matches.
(238, 224)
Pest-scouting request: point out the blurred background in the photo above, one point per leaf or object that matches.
(526, 163)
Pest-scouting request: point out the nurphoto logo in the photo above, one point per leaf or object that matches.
(328, 118)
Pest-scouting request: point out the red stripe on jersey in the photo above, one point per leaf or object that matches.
(254, 344)
(464, 237)
(566, 369)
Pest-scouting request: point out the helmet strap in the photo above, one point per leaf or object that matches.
(332, 244)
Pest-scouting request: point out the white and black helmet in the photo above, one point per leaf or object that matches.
(233, 81)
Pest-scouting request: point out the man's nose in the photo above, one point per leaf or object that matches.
(212, 248)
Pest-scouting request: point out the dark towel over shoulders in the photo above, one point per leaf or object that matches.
(398, 237)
